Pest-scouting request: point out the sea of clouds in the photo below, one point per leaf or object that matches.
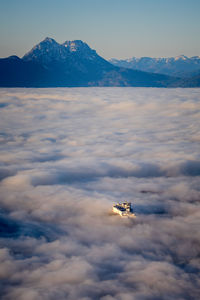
(66, 156)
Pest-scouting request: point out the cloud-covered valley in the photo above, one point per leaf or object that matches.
(66, 156)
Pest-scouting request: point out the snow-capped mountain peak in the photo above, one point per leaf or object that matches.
(47, 43)
(78, 47)
(75, 45)
(181, 57)
(50, 40)
(179, 66)
(49, 50)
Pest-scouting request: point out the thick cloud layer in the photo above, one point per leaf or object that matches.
(66, 156)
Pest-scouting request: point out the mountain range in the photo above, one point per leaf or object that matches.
(179, 66)
(75, 64)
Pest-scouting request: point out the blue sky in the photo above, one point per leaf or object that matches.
(115, 28)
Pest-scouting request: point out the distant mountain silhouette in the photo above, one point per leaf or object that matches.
(72, 64)
(181, 66)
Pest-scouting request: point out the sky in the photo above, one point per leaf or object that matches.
(67, 155)
(114, 28)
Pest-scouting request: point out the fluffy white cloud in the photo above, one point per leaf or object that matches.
(66, 156)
